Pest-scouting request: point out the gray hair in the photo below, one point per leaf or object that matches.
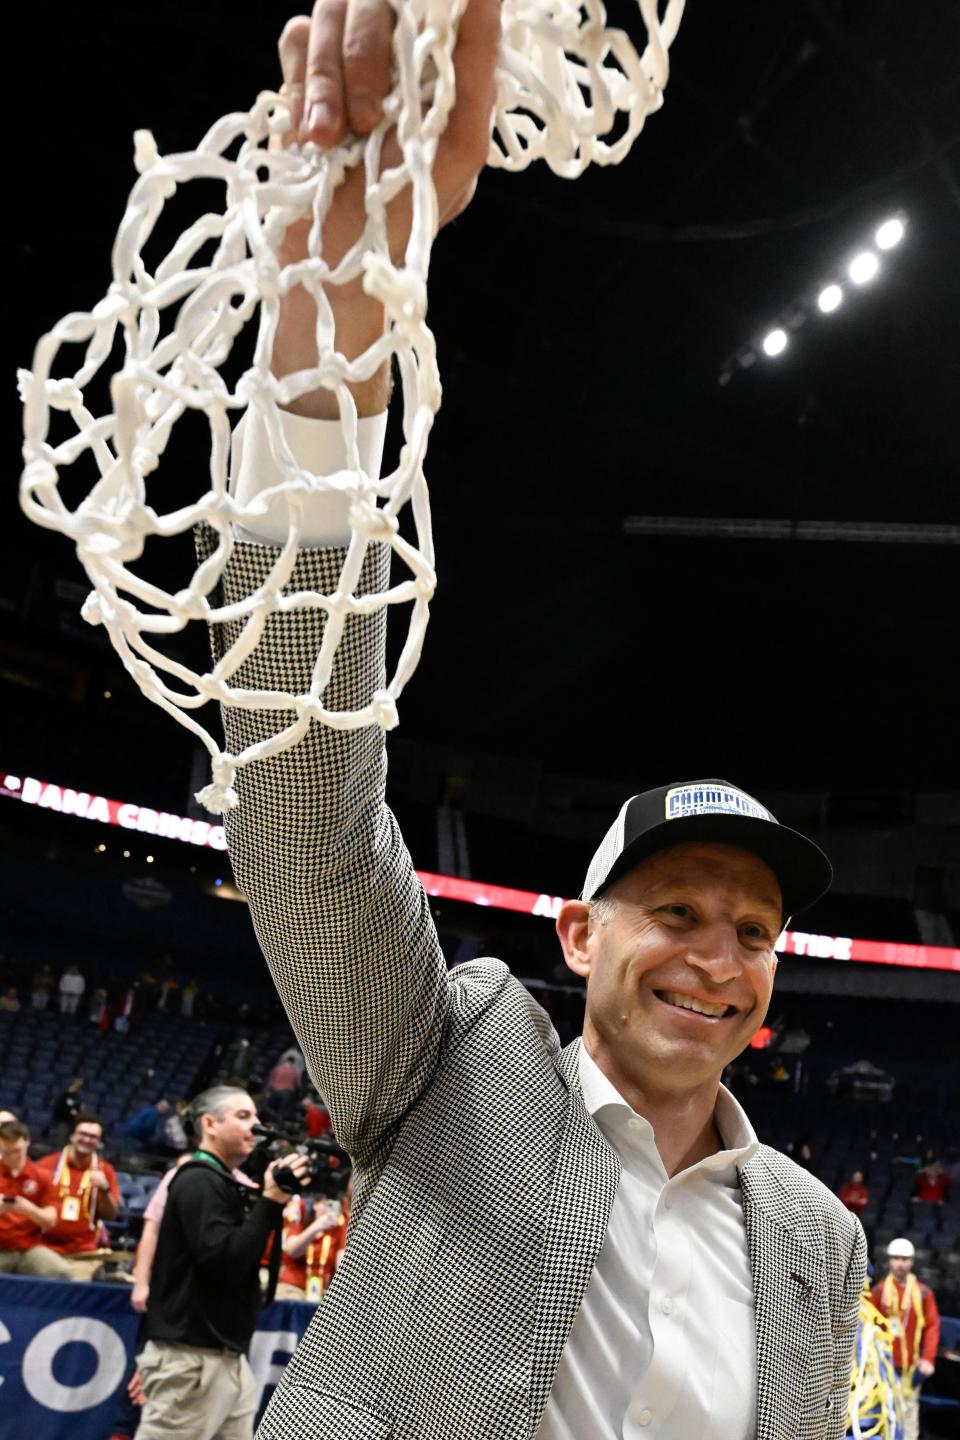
(604, 908)
(212, 1101)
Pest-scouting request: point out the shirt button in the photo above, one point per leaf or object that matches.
(668, 1203)
(644, 1417)
(635, 1124)
(667, 1306)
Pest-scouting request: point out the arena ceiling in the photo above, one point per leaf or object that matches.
(583, 333)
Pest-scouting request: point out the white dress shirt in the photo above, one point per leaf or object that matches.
(316, 445)
(664, 1343)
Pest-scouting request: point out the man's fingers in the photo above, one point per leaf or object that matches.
(325, 118)
(465, 142)
(293, 66)
(367, 62)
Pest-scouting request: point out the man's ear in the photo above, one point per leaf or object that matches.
(573, 929)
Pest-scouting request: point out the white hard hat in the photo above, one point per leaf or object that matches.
(903, 1248)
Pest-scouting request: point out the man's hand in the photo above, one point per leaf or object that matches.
(298, 1165)
(139, 1296)
(926, 1368)
(99, 1181)
(135, 1389)
(336, 67)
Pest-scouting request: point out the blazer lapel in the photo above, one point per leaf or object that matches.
(790, 1290)
(585, 1180)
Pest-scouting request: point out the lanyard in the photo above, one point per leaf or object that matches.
(209, 1159)
(86, 1192)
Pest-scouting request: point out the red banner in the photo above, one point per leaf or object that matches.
(144, 821)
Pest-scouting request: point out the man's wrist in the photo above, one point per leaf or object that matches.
(359, 322)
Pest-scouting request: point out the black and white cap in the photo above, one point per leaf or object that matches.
(717, 812)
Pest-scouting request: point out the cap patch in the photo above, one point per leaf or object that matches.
(684, 800)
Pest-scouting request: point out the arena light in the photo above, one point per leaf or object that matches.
(863, 268)
(890, 233)
(830, 297)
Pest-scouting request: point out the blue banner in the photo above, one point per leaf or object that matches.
(67, 1352)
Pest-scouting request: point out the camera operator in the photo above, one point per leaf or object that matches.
(205, 1290)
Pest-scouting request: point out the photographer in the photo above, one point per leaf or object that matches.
(204, 1290)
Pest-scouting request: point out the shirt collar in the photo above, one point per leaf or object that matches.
(738, 1135)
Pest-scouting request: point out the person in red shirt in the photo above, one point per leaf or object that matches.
(932, 1184)
(854, 1194)
(283, 1087)
(87, 1194)
(27, 1209)
(311, 1248)
(915, 1324)
(316, 1118)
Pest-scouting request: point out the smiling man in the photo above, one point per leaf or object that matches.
(585, 1243)
(87, 1194)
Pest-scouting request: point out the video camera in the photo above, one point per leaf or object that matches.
(328, 1168)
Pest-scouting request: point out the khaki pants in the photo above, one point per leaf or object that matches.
(286, 1291)
(82, 1266)
(41, 1261)
(196, 1394)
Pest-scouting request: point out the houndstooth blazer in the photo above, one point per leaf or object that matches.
(482, 1185)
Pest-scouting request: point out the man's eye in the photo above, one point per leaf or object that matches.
(756, 932)
(677, 909)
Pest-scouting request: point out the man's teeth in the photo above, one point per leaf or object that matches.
(685, 1003)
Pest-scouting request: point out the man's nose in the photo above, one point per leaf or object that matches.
(715, 949)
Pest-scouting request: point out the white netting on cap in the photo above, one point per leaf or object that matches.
(570, 90)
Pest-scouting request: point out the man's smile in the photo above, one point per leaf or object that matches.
(696, 1008)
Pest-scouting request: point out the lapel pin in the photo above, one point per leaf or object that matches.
(805, 1285)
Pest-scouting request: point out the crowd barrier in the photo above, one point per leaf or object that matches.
(66, 1354)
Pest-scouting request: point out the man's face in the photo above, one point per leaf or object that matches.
(86, 1140)
(13, 1154)
(695, 923)
(233, 1133)
(901, 1265)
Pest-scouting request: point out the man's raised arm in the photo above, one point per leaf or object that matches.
(341, 917)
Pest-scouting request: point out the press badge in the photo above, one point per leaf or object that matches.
(70, 1209)
(314, 1288)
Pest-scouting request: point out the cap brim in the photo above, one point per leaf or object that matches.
(802, 869)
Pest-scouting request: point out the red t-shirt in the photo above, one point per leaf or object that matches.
(318, 1121)
(20, 1232)
(855, 1197)
(932, 1191)
(77, 1229)
(320, 1258)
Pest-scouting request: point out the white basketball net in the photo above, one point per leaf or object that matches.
(565, 83)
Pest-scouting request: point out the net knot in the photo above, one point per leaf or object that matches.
(268, 277)
(90, 609)
(220, 797)
(145, 152)
(384, 709)
(402, 291)
(39, 479)
(371, 521)
(333, 370)
(253, 383)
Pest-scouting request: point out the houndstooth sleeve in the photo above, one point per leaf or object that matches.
(339, 912)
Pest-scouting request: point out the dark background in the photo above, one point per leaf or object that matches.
(583, 330)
